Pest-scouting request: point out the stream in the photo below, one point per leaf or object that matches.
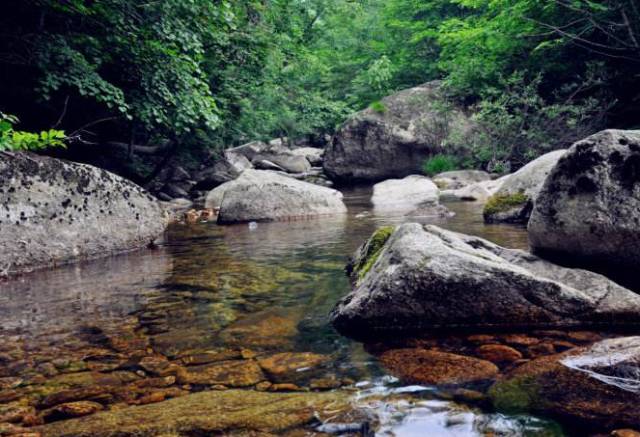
(258, 290)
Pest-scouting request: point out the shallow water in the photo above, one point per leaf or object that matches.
(267, 289)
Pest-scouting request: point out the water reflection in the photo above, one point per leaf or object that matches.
(267, 289)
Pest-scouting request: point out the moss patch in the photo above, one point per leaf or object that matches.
(515, 395)
(372, 250)
(503, 202)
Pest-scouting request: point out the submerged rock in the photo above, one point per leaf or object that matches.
(419, 278)
(54, 212)
(290, 366)
(436, 368)
(393, 141)
(206, 413)
(267, 196)
(513, 201)
(588, 210)
(597, 385)
(236, 373)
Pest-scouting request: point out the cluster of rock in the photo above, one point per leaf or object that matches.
(262, 182)
(581, 203)
(299, 161)
(577, 376)
(54, 212)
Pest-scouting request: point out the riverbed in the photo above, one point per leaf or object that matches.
(239, 293)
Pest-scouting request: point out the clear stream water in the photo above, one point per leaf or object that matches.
(267, 289)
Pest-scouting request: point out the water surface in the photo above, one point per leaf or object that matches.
(265, 289)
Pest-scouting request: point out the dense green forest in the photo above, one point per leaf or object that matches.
(203, 74)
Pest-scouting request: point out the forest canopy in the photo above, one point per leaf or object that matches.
(210, 74)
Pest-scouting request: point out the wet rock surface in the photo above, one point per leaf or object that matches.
(94, 213)
(588, 209)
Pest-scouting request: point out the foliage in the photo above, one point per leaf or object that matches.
(516, 123)
(215, 73)
(440, 163)
(378, 107)
(13, 140)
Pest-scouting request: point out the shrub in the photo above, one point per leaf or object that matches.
(440, 163)
(378, 107)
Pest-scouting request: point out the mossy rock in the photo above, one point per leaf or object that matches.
(516, 395)
(507, 207)
(371, 251)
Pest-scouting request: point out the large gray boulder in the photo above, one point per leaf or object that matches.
(259, 195)
(393, 141)
(404, 195)
(54, 212)
(422, 278)
(588, 210)
(513, 201)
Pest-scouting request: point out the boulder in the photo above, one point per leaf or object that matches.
(588, 211)
(393, 140)
(226, 169)
(54, 212)
(404, 195)
(282, 158)
(453, 180)
(417, 278)
(475, 192)
(249, 150)
(314, 155)
(513, 201)
(265, 155)
(597, 385)
(259, 195)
